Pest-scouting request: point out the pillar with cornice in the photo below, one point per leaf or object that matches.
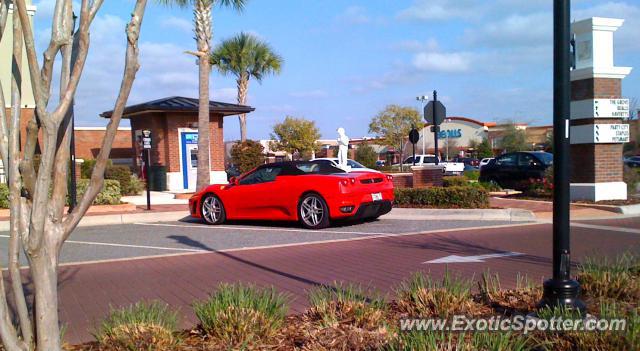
(597, 113)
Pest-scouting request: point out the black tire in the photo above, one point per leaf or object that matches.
(212, 217)
(494, 181)
(313, 212)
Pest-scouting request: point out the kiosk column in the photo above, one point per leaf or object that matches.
(597, 113)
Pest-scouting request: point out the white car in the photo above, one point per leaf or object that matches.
(355, 166)
(450, 168)
(485, 161)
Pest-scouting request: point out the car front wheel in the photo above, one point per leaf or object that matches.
(212, 210)
(313, 212)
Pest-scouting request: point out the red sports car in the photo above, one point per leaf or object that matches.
(314, 193)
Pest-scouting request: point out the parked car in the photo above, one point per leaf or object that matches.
(450, 168)
(485, 161)
(381, 163)
(514, 170)
(355, 165)
(468, 161)
(314, 193)
(633, 161)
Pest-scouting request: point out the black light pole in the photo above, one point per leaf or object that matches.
(561, 290)
(435, 125)
(73, 186)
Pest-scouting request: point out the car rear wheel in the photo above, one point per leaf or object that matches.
(212, 210)
(313, 212)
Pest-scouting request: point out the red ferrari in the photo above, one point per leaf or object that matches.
(314, 193)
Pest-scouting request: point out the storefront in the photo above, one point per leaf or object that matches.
(173, 123)
(457, 134)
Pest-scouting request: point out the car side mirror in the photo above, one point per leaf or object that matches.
(233, 181)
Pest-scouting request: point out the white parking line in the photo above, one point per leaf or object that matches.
(209, 227)
(606, 227)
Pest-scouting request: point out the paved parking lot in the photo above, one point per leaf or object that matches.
(166, 238)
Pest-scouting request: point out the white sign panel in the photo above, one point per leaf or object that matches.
(600, 108)
(600, 134)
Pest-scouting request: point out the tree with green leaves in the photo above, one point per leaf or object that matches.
(245, 56)
(247, 155)
(483, 148)
(203, 35)
(295, 136)
(393, 125)
(366, 155)
(513, 139)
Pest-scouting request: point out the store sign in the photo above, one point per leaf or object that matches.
(600, 108)
(600, 134)
(450, 133)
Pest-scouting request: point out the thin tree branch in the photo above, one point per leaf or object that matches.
(131, 68)
(27, 168)
(4, 138)
(36, 79)
(15, 185)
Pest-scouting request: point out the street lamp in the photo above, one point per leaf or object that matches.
(422, 99)
(561, 290)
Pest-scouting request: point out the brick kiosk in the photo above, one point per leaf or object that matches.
(597, 112)
(173, 122)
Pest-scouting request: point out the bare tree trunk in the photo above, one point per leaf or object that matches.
(203, 31)
(243, 88)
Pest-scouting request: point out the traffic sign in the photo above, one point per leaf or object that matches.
(414, 136)
(600, 108)
(440, 112)
(600, 134)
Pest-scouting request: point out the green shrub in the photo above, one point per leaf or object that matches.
(86, 168)
(239, 316)
(441, 197)
(472, 175)
(455, 181)
(129, 183)
(489, 186)
(247, 155)
(143, 326)
(4, 196)
(366, 155)
(631, 177)
(109, 195)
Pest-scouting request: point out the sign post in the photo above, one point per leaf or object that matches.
(146, 146)
(414, 136)
(435, 113)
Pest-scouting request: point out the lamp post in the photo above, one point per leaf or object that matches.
(561, 290)
(422, 99)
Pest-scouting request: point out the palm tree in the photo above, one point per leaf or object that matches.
(203, 34)
(245, 56)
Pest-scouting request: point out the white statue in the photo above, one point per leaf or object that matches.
(343, 148)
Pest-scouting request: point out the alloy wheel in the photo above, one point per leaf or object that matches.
(312, 211)
(211, 209)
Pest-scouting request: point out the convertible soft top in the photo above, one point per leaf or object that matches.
(305, 167)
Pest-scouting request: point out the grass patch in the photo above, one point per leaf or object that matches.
(421, 296)
(142, 326)
(437, 340)
(617, 278)
(345, 317)
(522, 299)
(242, 316)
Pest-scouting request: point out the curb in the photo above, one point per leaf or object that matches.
(509, 214)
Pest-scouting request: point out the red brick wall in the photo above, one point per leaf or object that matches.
(89, 142)
(402, 180)
(427, 177)
(598, 88)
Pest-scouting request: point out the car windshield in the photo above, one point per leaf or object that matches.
(354, 164)
(546, 158)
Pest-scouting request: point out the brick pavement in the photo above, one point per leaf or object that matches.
(87, 290)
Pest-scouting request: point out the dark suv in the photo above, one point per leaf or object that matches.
(513, 170)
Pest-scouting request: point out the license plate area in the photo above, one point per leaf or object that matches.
(376, 196)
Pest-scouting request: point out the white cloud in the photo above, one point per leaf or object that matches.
(354, 15)
(177, 23)
(425, 10)
(318, 93)
(514, 30)
(442, 62)
(430, 44)
(225, 95)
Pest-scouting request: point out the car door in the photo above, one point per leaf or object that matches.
(256, 194)
(506, 169)
(530, 167)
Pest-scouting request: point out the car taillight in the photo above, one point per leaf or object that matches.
(389, 177)
(344, 182)
(353, 180)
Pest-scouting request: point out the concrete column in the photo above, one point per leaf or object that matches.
(597, 113)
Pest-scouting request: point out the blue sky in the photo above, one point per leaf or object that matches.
(346, 60)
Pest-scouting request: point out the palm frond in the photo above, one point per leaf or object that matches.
(246, 55)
